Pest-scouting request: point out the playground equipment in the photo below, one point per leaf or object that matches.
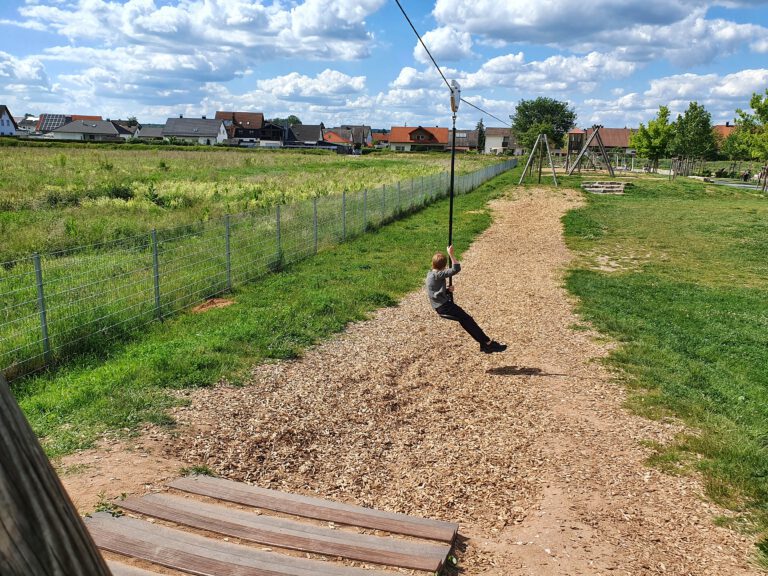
(539, 146)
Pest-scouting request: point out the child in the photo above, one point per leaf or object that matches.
(441, 297)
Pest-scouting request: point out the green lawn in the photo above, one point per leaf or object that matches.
(688, 300)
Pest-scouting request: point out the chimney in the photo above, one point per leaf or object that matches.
(727, 124)
(204, 118)
(181, 115)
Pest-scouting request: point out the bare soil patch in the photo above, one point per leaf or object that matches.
(212, 303)
(530, 451)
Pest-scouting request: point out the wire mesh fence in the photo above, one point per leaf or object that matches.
(74, 301)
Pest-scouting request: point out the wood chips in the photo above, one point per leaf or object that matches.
(530, 451)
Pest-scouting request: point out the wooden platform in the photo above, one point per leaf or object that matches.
(214, 527)
(606, 187)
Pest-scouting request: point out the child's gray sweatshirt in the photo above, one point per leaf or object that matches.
(437, 289)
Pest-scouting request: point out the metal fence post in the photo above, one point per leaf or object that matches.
(343, 216)
(228, 254)
(41, 306)
(314, 203)
(156, 273)
(277, 227)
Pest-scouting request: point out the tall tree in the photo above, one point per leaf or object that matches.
(542, 115)
(752, 129)
(290, 121)
(480, 136)
(653, 142)
(693, 136)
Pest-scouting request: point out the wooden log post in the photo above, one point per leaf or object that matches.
(40, 530)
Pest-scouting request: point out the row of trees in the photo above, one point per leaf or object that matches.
(692, 134)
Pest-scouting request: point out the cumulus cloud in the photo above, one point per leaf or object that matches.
(327, 87)
(640, 30)
(554, 74)
(721, 95)
(444, 43)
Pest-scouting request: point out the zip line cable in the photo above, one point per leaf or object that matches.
(438, 67)
(422, 43)
(484, 111)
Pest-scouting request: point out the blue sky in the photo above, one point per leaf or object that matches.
(357, 61)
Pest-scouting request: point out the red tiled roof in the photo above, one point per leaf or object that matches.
(723, 130)
(612, 137)
(334, 138)
(86, 118)
(497, 131)
(380, 137)
(253, 120)
(407, 134)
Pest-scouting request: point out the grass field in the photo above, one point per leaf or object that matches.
(59, 197)
(687, 297)
(275, 317)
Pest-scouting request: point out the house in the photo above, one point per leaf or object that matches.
(149, 132)
(203, 131)
(465, 140)
(419, 138)
(614, 139)
(338, 137)
(380, 138)
(362, 136)
(50, 122)
(722, 131)
(8, 126)
(87, 131)
(250, 129)
(126, 129)
(305, 135)
(26, 125)
(501, 141)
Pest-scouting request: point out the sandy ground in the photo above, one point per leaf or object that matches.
(530, 451)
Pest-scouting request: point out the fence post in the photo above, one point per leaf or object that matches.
(156, 274)
(277, 227)
(314, 218)
(343, 216)
(42, 532)
(399, 200)
(228, 253)
(41, 307)
(383, 202)
(365, 210)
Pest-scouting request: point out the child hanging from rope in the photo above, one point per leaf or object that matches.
(441, 297)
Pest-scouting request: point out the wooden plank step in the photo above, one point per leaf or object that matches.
(120, 569)
(317, 508)
(203, 556)
(290, 534)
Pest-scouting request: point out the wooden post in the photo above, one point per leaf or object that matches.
(40, 530)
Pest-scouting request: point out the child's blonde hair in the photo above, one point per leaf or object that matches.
(439, 261)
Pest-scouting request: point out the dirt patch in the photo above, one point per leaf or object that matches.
(530, 451)
(212, 303)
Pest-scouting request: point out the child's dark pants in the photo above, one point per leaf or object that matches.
(467, 322)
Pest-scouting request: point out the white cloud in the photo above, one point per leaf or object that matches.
(554, 74)
(330, 86)
(720, 95)
(445, 43)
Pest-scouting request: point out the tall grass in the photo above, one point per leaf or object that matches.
(688, 299)
(54, 198)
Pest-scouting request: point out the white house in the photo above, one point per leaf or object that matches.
(87, 131)
(206, 132)
(8, 126)
(500, 140)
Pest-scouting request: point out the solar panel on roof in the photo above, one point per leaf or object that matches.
(50, 122)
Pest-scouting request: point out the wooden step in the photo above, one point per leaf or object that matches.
(203, 556)
(290, 534)
(317, 508)
(120, 569)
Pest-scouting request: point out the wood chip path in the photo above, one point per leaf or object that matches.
(529, 451)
